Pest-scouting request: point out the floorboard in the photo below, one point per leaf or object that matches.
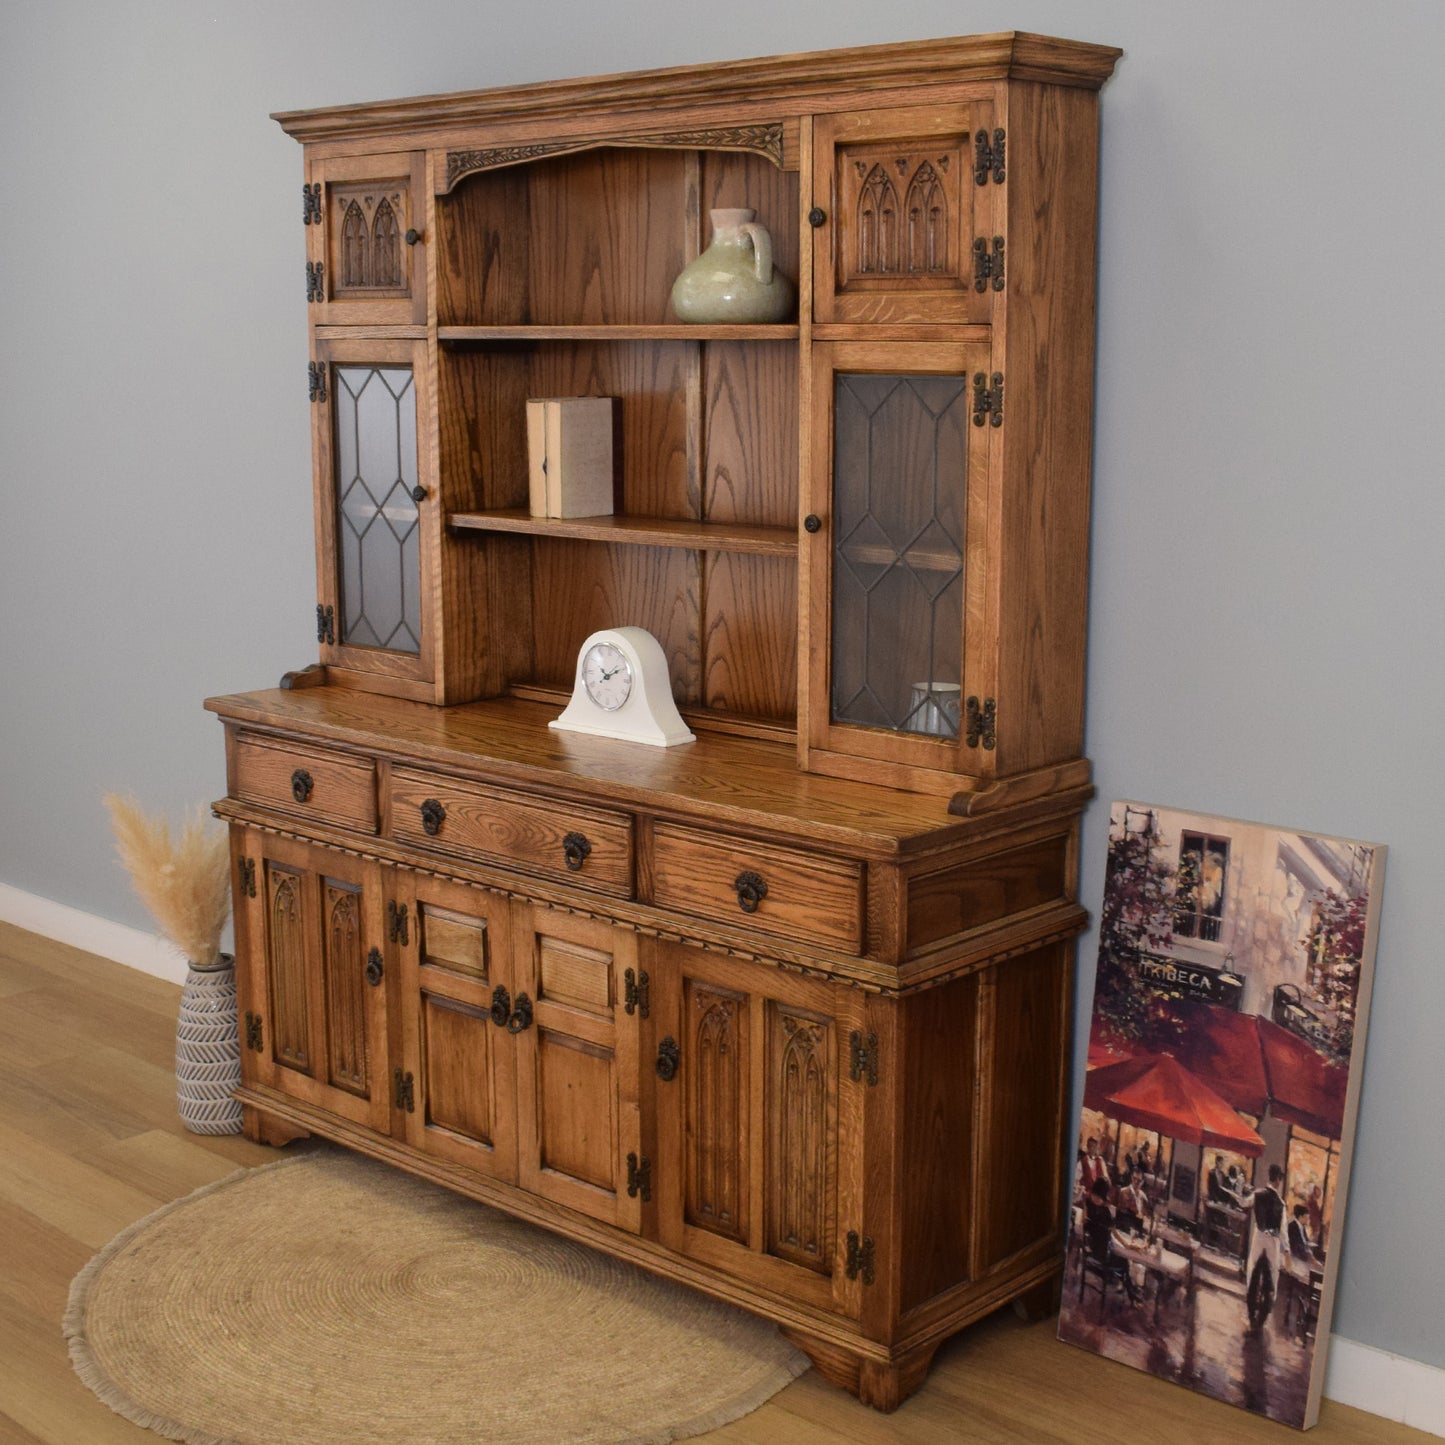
(90, 1142)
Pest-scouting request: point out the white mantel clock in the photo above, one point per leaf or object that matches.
(622, 691)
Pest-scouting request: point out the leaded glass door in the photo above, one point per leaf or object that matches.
(375, 508)
(901, 492)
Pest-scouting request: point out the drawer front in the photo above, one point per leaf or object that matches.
(587, 846)
(778, 890)
(311, 782)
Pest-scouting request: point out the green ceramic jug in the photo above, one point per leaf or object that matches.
(734, 279)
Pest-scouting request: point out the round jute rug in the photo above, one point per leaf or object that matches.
(330, 1300)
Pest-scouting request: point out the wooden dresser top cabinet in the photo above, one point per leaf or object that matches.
(783, 1011)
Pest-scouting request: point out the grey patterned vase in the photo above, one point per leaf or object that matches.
(208, 1049)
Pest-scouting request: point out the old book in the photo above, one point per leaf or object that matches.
(570, 449)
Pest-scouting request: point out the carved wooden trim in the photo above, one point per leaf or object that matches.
(799, 1180)
(286, 966)
(717, 1116)
(765, 140)
(345, 1003)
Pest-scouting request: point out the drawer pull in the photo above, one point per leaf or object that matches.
(669, 1056)
(433, 815)
(575, 849)
(501, 1009)
(521, 1015)
(301, 785)
(751, 891)
(374, 968)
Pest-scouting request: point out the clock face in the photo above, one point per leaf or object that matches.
(606, 676)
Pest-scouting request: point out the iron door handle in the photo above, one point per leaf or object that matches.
(301, 785)
(521, 1018)
(751, 891)
(433, 815)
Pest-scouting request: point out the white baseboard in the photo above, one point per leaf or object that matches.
(130, 946)
(1384, 1384)
(1389, 1385)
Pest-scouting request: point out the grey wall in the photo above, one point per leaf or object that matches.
(1268, 593)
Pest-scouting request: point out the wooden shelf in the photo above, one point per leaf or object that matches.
(463, 335)
(638, 531)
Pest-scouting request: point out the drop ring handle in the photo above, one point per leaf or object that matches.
(751, 891)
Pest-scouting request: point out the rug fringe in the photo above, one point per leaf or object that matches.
(72, 1324)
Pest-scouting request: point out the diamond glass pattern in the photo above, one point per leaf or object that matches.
(899, 480)
(375, 408)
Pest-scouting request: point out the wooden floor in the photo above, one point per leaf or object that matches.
(90, 1141)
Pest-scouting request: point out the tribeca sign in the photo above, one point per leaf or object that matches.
(1191, 979)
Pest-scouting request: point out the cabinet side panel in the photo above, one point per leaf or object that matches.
(937, 1144)
(1021, 1106)
(1048, 423)
(482, 251)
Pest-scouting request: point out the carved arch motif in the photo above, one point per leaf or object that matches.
(798, 1173)
(717, 1102)
(355, 247)
(345, 1004)
(926, 213)
(877, 224)
(385, 246)
(287, 966)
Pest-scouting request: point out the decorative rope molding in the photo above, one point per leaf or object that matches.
(764, 140)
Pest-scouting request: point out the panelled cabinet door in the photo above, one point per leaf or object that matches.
(910, 232)
(578, 1015)
(452, 949)
(366, 239)
(375, 509)
(313, 1021)
(758, 1128)
(903, 572)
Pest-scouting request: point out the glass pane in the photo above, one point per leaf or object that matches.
(899, 481)
(375, 409)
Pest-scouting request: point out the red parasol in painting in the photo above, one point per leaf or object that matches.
(1156, 1091)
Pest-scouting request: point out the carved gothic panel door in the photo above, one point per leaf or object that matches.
(913, 215)
(366, 239)
(309, 931)
(759, 1126)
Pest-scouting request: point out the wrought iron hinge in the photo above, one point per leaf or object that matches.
(988, 398)
(316, 381)
(636, 994)
(979, 722)
(396, 925)
(311, 204)
(987, 265)
(988, 157)
(863, 1057)
(255, 1036)
(325, 623)
(315, 281)
(860, 1257)
(639, 1177)
(405, 1091)
(248, 877)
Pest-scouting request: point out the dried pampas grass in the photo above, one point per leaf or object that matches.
(186, 884)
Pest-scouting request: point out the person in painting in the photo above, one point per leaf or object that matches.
(1131, 1210)
(1144, 1165)
(1315, 1207)
(1124, 1171)
(1099, 1224)
(1262, 1271)
(1299, 1262)
(1092, 1168)
(1221, 1190)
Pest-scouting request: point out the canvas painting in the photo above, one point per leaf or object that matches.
(1225, 1047)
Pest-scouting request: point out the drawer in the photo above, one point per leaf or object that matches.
(789, 892)
(589, 846)
(331, 787)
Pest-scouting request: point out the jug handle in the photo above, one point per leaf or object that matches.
(762, 250)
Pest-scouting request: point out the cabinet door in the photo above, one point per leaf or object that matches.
(366, 239)
(454, 970)
(902, 575)
(375, 509)
(759, 1128)
(309, 939)
(907, 215)
(577, 1022)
